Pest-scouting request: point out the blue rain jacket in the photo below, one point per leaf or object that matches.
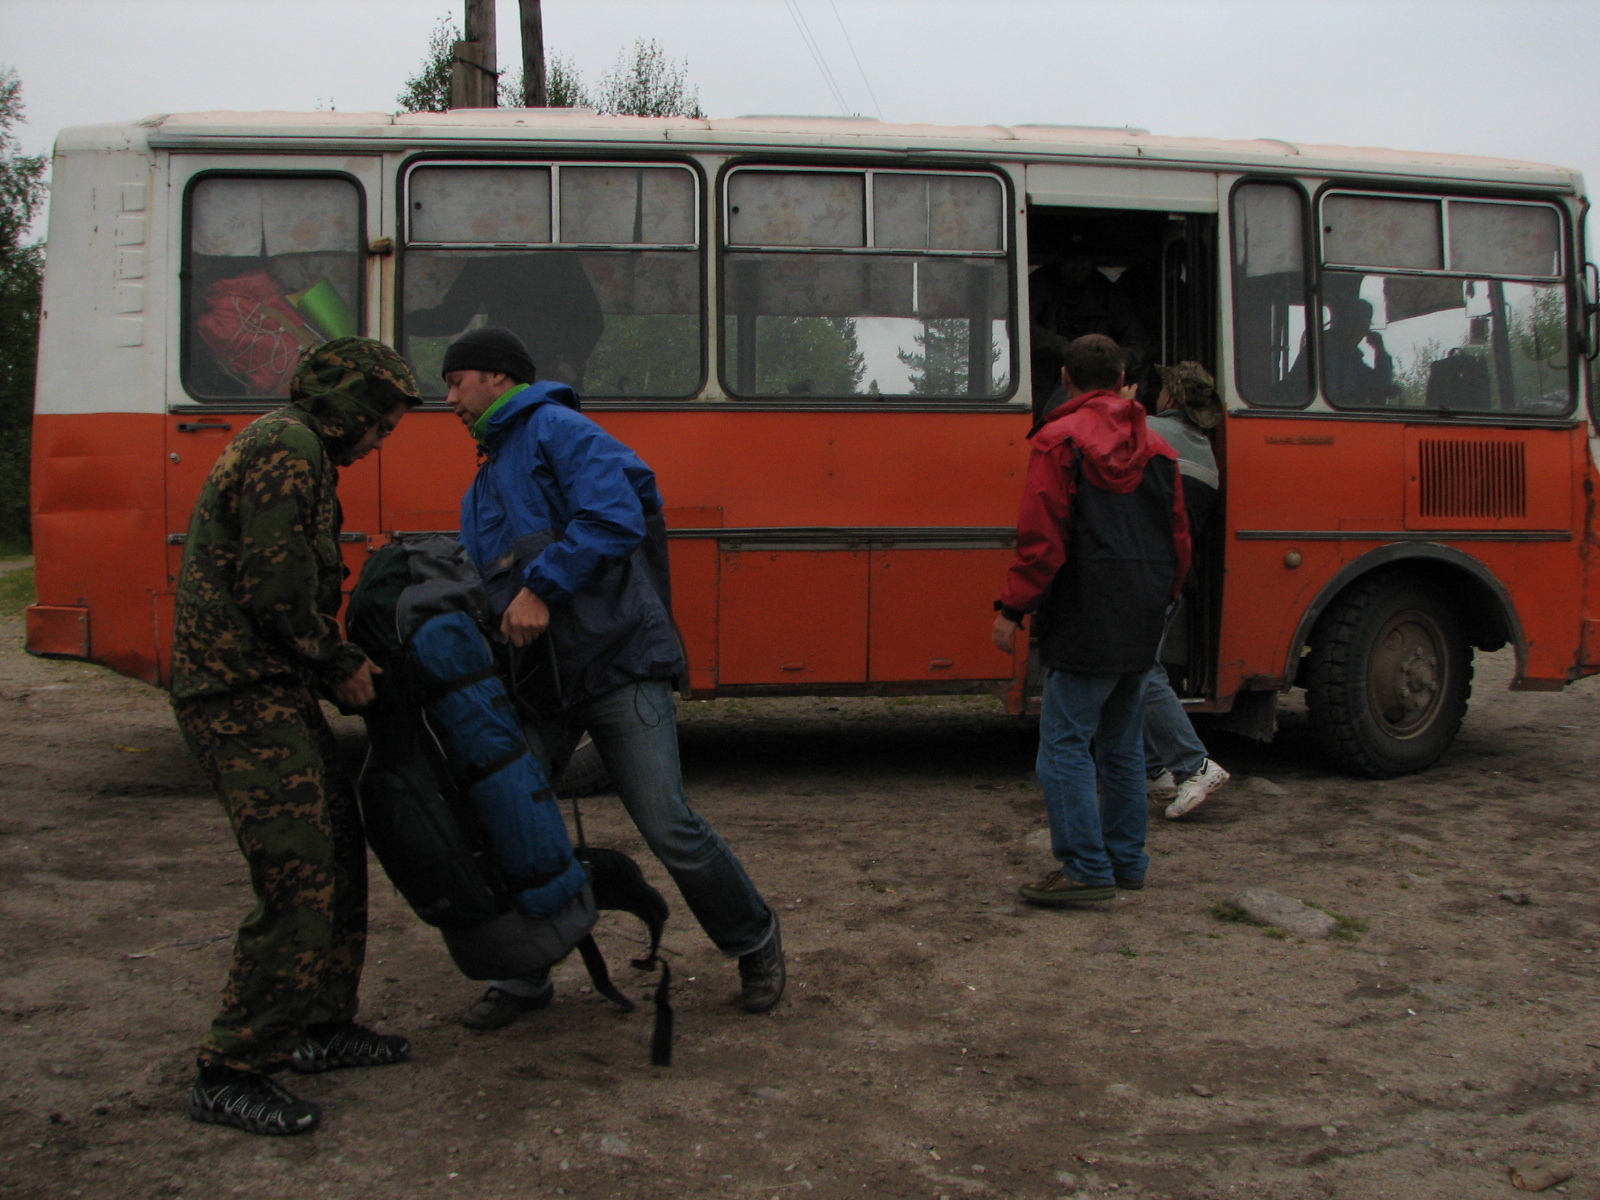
(563, 508)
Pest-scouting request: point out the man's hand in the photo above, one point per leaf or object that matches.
(1005, 633)
(525, 619)
(356, 690)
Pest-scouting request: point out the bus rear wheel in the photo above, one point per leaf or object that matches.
(1388, 677)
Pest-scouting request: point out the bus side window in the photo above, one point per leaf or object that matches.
(840, 284)
(274, 265)
(1271, 334)
(595, 267)
(1449, 305)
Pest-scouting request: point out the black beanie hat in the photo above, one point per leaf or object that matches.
(491, 348)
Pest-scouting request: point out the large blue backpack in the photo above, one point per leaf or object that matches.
(457, 808)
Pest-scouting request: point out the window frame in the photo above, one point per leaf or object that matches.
(1442, 195)
(702, 217)
(1442, 199)
(723, 247)
(1309, 273)
(186, 269)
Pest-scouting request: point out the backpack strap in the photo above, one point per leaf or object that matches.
(662, 1031)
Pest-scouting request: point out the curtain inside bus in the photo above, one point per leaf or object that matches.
(596, 267)
(840, 284)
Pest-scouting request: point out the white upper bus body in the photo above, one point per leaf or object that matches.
(111, 334)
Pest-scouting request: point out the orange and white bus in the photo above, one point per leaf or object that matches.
(825, 337)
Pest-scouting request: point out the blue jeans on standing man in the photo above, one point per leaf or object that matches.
(635, 729)
(1170, 742)
(1098, 811)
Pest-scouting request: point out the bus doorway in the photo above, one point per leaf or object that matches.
(1147, 280)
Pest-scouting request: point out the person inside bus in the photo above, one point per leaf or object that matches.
(1102, 551)
(565, 523)
(1346, 374)
(1069, 297)
(546, 299)
(1186, 406)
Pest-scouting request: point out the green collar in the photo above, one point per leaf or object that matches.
(480, 427)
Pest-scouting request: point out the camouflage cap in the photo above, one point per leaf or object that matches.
(344, 387)
(333, 365)
(1193, 392)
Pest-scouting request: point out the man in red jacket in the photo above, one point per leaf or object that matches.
(1102, 551)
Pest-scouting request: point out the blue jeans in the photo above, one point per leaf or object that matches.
(1096, 834)
(635, 729)
(1170, 742)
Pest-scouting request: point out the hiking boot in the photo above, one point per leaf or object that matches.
(1161, 786)
(497, 1007)
(1058, 889)
(1193, 791)
(331, 1047)
(251, 1102)
(762, 975)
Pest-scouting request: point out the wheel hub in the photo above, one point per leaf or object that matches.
(1406, 673)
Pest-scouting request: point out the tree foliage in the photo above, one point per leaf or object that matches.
(645, 83)
(22, 193)
(429, 89)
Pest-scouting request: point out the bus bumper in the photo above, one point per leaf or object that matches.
(57, 631)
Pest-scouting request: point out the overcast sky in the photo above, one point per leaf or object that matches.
(1517, 79)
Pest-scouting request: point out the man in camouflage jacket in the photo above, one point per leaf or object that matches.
(257, 642)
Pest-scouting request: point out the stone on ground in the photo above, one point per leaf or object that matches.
(1266, 907)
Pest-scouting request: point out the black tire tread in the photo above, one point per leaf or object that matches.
(1331, 677)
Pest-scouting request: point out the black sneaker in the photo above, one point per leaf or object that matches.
(497, 1008)
(349, 1045)
(251, 1102)
(1130, 883)
(762, 975)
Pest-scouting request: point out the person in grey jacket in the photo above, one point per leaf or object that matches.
(1175, 757)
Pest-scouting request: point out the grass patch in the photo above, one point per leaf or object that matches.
(16, 591)
(1272, 931)
(1127, 951)
(1227, 910)
(1350, 928)
(14, 544)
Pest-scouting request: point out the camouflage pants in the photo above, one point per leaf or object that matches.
(297, 962)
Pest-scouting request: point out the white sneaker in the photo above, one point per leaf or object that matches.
(1162, 786)
(1195, 790)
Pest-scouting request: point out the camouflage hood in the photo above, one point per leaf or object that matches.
(344, 387)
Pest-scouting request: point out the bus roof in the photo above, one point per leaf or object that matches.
(502, 128)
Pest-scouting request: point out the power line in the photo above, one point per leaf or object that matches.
(816, 54)
(857, 57)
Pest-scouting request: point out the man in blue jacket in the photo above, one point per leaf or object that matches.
(565, 524)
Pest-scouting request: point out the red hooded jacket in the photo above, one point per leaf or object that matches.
(1100, 439)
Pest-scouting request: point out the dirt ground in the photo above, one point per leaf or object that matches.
(938, 1040)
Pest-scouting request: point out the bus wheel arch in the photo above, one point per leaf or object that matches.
(1385, 654)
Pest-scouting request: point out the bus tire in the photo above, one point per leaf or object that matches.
(585, 773)
(1388, 677)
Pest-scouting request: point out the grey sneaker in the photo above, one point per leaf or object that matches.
(762, 974)
(497, 1008)
(1194, 791)
(251, 1102)
(347, 1045)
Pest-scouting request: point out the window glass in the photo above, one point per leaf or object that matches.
(797, 208)
(605, 315)
(479, 205)
(618, 205)
(1441, 343)
(1505, 239)
(936, 212)
(1271, 342)
(1382, 231)
(274, 266)
(922, 309)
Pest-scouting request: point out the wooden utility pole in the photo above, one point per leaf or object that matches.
(474, 79)
(535, 93)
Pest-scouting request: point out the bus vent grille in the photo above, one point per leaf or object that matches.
(1472, 479)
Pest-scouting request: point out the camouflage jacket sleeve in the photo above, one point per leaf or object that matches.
(289, 566)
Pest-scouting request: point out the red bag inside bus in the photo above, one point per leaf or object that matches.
(254, 331)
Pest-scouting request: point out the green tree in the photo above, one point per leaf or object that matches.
(22, 192)
(939, 364)
(802, 356)
(429, 89)
(643, 83)
(563, 86)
